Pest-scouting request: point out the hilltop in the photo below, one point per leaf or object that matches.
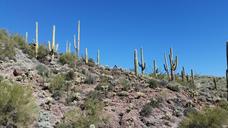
(69, 91)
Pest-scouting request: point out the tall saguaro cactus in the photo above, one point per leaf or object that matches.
(53, 47)
(183, 74)
(98, 57)
(68, 47)
(155, 69)
(36, 41)
(227, 69)
(173, 65)
(192, 77)
(26, 37)
(79, 39)
(75, 46)
(136, 62)
(142, 64)
(86, 56)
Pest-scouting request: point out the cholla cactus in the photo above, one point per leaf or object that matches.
(183, 75)
(142, 64)
(155, 69)
(173, 66)
(98, 57)
(136, 62)
(52, 47)
(86, 56)
(36, 41)
(79, 39)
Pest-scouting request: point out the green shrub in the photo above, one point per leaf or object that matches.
(57, 86)
(126, 85)
(92, 114)
(17, 106)
(4, 36)
(147, 108)
(68, 58)
(70, 75)
(153, 83)
(42, 53)
(90, 78)
(208, 118)
(42, 70)
(7, 49)
(174, 86)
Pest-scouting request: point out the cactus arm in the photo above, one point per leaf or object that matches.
(53, 38)
(98, 57)
(37, 44)
(26, 37)
(49, 46)
(86, 56)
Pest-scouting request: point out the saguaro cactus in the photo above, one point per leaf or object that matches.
(136, 62)
(98, 57)
(68, 47)
(183, 75)
(79, 38)
(142, 64)
(75, 46)
(53, 48)
(26, 37)
(86, 56)
(192, 77)
(36, 41)
(227, 69)
(155, 69)
(173, 65)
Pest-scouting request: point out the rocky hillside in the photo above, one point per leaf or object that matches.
(79, 95)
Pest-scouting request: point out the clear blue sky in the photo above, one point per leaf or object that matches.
(195, 29)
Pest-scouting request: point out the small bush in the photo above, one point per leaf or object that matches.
(68, 58)
(90, 78)
(91, 62)
(208, 118)
(153, 83)
(42, 70)
(174, 86)
(70, 75)
(91, 114)
(57, 86)
(42, 53)
(7, 49)
(125, 84)
(17, 106)
(147, 109)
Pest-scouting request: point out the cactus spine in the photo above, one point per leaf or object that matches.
(37, 43)
(142, 64)
(155, 69)
(227, 69)
(79, 39)
(136, 62)
(183, 75)
(86, 56)
(173, 65)
(98, 57)
(26, 37)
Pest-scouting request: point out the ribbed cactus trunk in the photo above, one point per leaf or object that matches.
(183, 75)
(36, 41)
(26, 37)
(79, 39)
(98, 57)
(192, 78)
(75, 46)
(227, 69)
(142, 64)
(136, 62)
(154, 68)
(86, 56)
(53, 44)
